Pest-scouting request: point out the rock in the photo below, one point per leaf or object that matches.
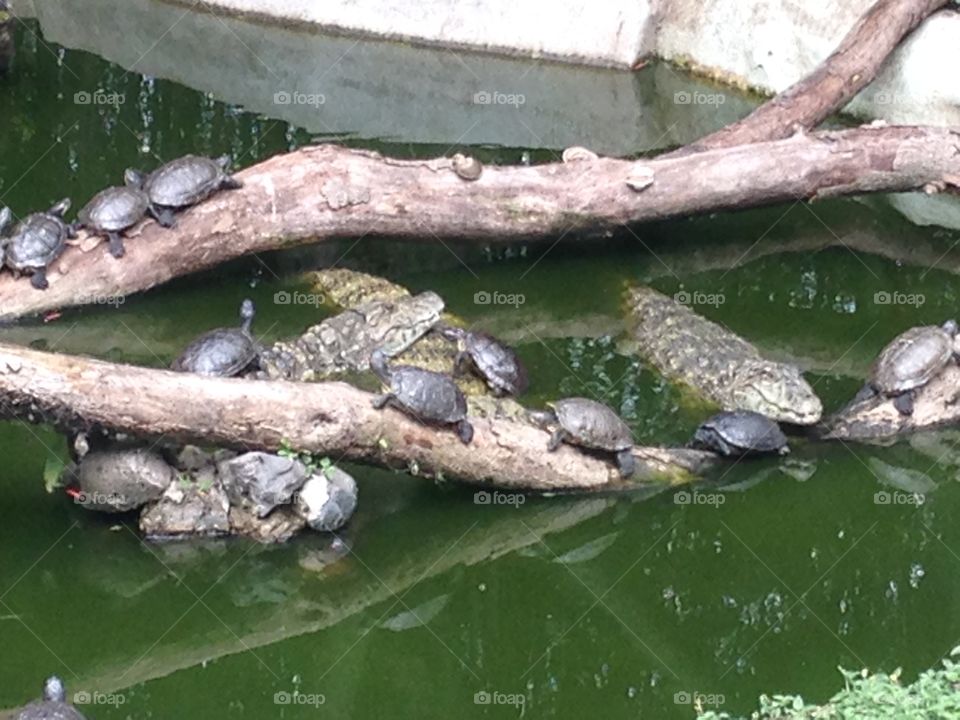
(191, 458)
(279, 526)
(327, 500)
(121, 480)
(261, 481)
(196, 508)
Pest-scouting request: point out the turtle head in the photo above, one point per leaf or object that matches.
(452, 333)
(6, 217)
(247, 312)
(378, 364)
(950, 327)
(134, 178)
(778, 391)
(53, 690)
(224, 162)
(61, 208)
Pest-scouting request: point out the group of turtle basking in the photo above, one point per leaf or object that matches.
(34, 242)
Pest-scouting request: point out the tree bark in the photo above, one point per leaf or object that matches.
(328, 192)
(332, 419)
(834, 83)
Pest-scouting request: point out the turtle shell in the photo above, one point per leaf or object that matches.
(912, 359)
(184, 181)
(743, 430)
(224, 352)
(497, 363)
(36, 241)
(114, 209)
(427, 395)
(592, 424)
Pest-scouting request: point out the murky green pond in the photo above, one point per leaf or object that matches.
(765, 580)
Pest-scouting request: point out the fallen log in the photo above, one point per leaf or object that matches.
(325, 192)
(846, 71)
(333, 419)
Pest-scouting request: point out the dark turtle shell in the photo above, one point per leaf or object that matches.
(498, 364)
(187, 180)
(38, 239)
(223, 352)
(427, 395)
(740, 432)
(114, 209)
(913, 358)
(592, 424)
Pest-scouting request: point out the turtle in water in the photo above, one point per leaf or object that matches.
(910, 361)
(38, 240)
(496, 363)
(114, 210)
(224, 352)
(184, 182)
(739, 433)
(53, 706)
(589, 424)
(427, 396)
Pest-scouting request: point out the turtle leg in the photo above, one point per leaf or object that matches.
(865, 393)
(72, 229)
(556, 439)
(39, 279)
(230, 183)
(460, 363)
(116, 244)
(164, 216)
(904, 403)
(381, 401)
(626, 462)
(465, 431)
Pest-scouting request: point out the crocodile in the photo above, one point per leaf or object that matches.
(721, 366)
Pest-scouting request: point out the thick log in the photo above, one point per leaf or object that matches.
(834, 83)
(327, 192)
(332, 419)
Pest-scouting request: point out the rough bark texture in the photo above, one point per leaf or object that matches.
(329, 192)
(334, 419)
(848, 69)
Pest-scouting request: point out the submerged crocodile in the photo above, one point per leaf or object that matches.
(721, 366)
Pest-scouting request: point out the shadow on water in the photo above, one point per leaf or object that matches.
(763, 578)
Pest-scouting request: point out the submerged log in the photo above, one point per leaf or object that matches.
(326, 192)
(848, 70)
(332, 419)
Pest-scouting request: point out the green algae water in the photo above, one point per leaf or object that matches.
(763, 578)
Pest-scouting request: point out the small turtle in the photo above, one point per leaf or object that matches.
(427, 396)
(740, 433)
(590, 424)
(910, 361)
(466, 167)
(114, 210)
(53, 706)
(223, 352)
(184, 182)
(496, 363)
(38, 240)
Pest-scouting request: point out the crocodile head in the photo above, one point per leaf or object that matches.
(779, 392)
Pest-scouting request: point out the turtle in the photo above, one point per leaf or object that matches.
(496, 363)
(427, 396)
(114, 210)
(224, 352)
(184, 182)
(739, 433)
(38, 240)
(910, 361)
(589, 424)
(53, 706)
